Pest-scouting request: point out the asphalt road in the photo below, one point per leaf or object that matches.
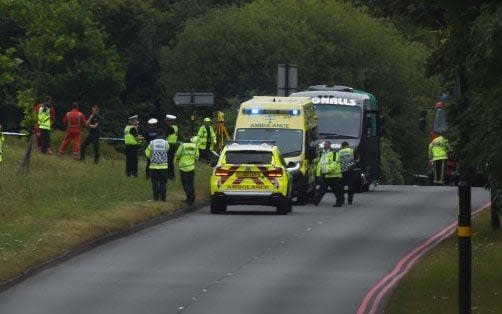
(316, 260)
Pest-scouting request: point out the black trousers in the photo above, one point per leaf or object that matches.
(45, 139)
(94, 140)
(131, 152)
(438, 171)
(159, 184)
(348, 180)
(187, 179)
(336, 185)
(170, 160)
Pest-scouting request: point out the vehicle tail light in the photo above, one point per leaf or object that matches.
(274, 173)
(220, 172)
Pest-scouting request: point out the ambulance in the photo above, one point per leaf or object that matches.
(291, 123)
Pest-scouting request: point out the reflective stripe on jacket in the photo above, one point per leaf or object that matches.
(438, 149)
(333, 168)
(187, 156)
(74, 120)
(130, 139)
(44, 118)
(156, 151)
(173, 137)
(345, 157)
(202, 135)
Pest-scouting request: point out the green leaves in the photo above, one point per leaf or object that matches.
(231, 51)
(64, 51)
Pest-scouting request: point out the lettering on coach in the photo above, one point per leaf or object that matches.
(334, 101)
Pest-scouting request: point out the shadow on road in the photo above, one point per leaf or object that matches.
(251, 213)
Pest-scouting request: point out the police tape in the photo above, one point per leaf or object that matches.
(111, 139)
(14, 133)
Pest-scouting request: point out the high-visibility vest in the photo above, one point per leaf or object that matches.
(156, 151)
(129, 139)
(438, 149)
(1, 144)
(44, 118)
(173, 137)
(187, 155)
(202, 135)
(333, 168)
(345, 157)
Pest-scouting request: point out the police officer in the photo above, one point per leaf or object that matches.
(438, 155)
(93, 136)
(151, 133)
(157, 151)
(187, 155)
(132, 140)
(329, 173)
(346, 159)
(172, 140)
(206, 140)
(44, 124)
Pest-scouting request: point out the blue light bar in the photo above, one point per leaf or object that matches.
(292, 112)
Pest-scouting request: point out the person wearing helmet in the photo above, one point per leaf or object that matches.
(207, 140)
(151, 133)
(132, 141)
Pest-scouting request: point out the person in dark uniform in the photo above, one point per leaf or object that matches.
(132, 140)
(172, 140)
(152, 133)
(93, 136)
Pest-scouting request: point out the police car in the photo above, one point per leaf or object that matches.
(251, 173)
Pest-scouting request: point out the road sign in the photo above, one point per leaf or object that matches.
(287, 79)
(194, 99)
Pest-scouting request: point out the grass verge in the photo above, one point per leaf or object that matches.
(432, 285)
(64, 203)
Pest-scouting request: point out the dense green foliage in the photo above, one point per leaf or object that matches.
(468, 57)
(235, 52)
(131, 56)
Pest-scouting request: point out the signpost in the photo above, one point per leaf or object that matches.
(194, 101)
(287, 79)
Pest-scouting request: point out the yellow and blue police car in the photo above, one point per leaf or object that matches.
(251, 173)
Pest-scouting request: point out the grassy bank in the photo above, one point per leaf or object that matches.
(63, 203)
(431, 286)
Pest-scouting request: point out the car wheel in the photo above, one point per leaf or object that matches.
(218, 207)
(285, 206)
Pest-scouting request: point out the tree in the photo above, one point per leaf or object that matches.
(63, 50)
(232, 51)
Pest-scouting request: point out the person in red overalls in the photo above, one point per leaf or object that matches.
(74, 120)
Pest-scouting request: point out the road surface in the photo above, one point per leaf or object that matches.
(316, 260)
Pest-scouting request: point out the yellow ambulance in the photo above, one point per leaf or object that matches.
(291, 123)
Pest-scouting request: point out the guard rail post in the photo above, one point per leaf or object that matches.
(464, 247)
(495, 208)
